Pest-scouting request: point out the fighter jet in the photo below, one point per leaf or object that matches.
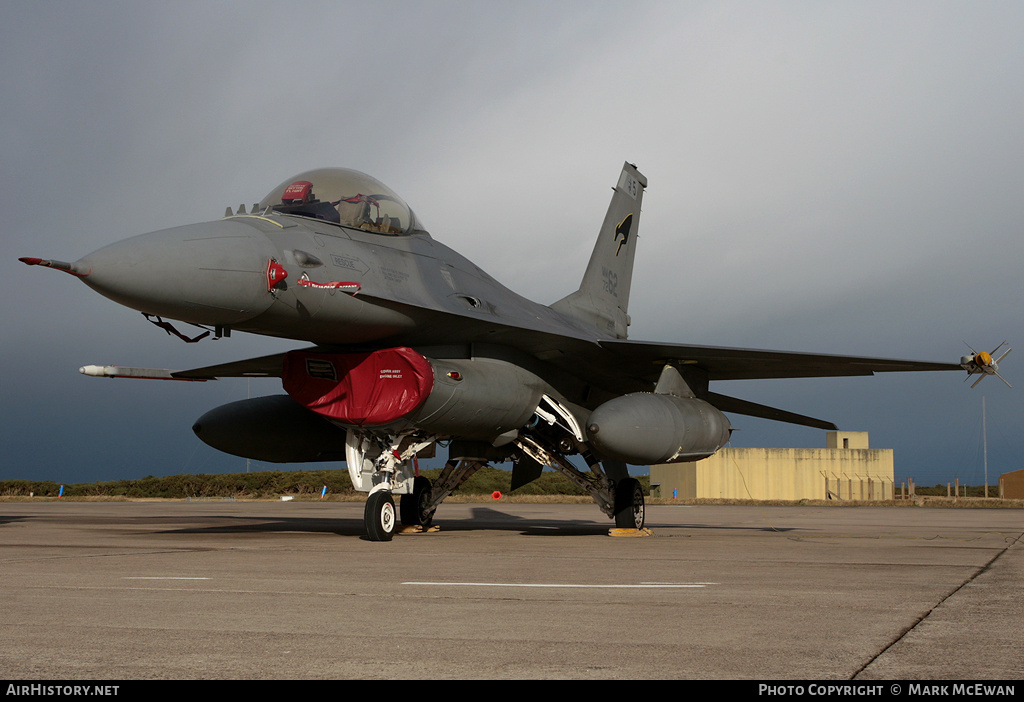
(414, 347)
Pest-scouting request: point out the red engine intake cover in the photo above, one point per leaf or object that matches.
(362, 389)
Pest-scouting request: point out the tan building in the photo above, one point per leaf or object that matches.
(1011, 485)
(845, 470)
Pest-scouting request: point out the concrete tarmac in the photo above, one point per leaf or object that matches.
(272, 590)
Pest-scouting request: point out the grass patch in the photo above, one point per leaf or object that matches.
(273, 483)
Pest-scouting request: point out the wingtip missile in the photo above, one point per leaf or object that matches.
(129, 372)
(982, 363)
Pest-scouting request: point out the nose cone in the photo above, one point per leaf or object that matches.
(212, 273)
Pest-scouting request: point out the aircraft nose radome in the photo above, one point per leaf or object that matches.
(213, 273)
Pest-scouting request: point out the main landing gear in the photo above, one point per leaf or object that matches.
(618, 495)
(385, 467)
(629, 504)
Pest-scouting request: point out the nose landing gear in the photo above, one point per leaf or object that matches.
(379, 516)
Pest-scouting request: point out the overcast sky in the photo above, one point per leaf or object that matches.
(842, 177)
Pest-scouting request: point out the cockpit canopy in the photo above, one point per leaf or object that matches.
(345, 197)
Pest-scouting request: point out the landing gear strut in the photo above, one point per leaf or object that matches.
(618, 495)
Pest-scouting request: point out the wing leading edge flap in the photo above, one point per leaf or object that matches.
(752, 409)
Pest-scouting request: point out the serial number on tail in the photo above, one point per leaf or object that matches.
(611, 281)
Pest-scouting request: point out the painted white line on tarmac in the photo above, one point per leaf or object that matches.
(637, 586)
(162, 578)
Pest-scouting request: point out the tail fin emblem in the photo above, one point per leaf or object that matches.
(623, 231)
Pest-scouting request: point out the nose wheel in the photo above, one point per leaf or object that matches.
(379, 516)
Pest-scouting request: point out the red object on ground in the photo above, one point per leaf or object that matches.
(361, 389)
(496, 495)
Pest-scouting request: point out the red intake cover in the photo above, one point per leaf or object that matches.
(364, 389)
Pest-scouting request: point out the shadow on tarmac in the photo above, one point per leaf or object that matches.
(481, 519)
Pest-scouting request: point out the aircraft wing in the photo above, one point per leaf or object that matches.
(262, 367)
(629, 366)
(623, 366)
(643, 358)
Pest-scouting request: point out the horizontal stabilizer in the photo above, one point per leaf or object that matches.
(752, 409)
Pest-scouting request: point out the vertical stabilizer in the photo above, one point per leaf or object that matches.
(603, 296)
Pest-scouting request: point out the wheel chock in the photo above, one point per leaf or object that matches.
(417, 529)
(630, 532)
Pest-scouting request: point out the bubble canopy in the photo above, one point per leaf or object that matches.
(345, 197)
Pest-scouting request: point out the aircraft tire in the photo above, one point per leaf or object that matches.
(411, 506)
(379, 516)
(629, 504)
